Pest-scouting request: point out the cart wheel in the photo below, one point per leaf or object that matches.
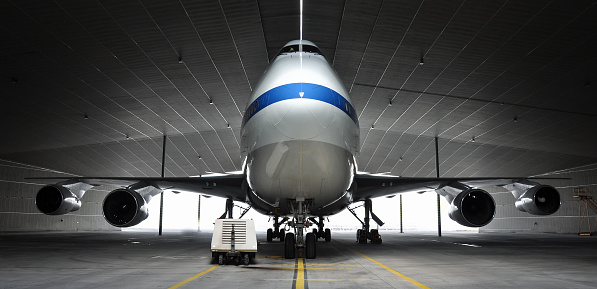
(246, 259)
(221, 259)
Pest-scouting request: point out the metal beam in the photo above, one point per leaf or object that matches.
(439, 215)
(162, 193)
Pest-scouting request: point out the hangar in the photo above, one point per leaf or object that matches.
(91, 89)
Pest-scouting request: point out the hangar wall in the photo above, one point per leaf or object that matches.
(19, 213)
(566, 220)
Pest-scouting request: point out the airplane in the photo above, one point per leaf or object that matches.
(299, 143)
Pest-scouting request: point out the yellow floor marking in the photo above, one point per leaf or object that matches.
(304, 279)
(269, 257)
(194, 277)
(393, 271)
(300, 275)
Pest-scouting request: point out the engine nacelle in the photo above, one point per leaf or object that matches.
(125, 208)
(56, 200)
(472, 208)
(539, 200)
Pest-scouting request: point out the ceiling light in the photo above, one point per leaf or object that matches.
(228, 125)
(516, 119)
(85, 116)
(473, 139)
(373, 126)
(199, 157)
(422, 61)
(390, 104)
(211, 101)
(127, 136)
(400, 159)
(180, 59)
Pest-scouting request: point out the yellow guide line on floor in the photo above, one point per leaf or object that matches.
(300, 275)
(194, 277)
(393, 271)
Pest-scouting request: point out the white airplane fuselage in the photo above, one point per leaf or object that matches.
(300, 135)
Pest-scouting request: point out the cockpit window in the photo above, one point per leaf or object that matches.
(295, 48)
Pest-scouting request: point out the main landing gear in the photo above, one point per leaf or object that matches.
(365, 234)
(321, 233)
(228, 210)
(299, 243)
(276, 232)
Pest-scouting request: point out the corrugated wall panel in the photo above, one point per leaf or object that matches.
(19, 213)
(566, 220)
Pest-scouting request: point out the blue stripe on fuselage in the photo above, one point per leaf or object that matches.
(292, 90)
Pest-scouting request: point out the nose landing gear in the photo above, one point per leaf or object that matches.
(298, 242)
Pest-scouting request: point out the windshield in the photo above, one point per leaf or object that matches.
(295, 48)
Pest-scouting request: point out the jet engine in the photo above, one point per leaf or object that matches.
(472, 208)
(539, 200)
(56, 200)
(125, 208)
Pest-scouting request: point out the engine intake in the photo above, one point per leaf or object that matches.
(56, 200)
(125, 208)
(539, 200)
(473, 208)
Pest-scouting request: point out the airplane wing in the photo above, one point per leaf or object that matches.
(219, 185)
(470, 206)
(374, 185)
(127, 206)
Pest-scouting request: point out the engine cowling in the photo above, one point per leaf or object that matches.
(125, 208)
(56, 200)
(539, 200)
(473, 208)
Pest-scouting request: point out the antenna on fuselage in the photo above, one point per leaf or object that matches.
(301, 27)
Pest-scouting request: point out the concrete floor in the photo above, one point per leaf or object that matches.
(410, 260)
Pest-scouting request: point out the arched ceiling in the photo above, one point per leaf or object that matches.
(90, 87)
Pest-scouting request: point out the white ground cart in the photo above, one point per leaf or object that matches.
(234, 240)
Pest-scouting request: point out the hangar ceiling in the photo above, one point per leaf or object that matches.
(90, 87)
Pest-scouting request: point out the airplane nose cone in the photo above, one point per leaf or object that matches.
(301, 118)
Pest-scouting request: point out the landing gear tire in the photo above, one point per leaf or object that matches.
(310, 243)
(221, 259)
(362, 236)
(328, 235)
(270, 235)
(289, 245)
(375, 237)
(282, 235)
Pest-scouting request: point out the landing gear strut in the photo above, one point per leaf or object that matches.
(228, 210)
(365, 234)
